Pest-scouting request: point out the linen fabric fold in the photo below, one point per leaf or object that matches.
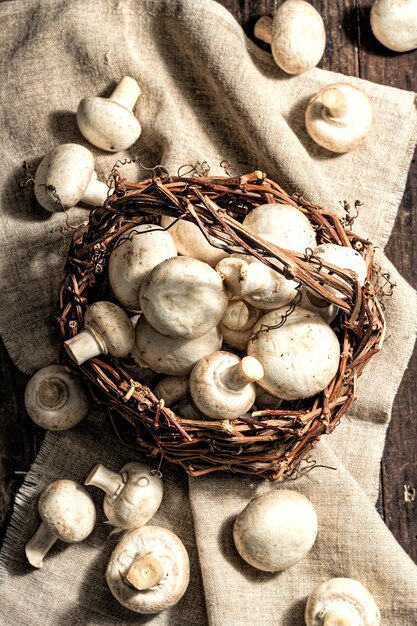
(208, 95)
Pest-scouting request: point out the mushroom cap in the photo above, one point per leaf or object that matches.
(328, 312)
(275, 530)
(165, 546)
(344, 596)
(113, 326)
(107, 124)
(68, 510)
(176, 357)
(210, 390)
(237, 323)
(394, 24)
(298, 36)
(172, 389)
(139, 500)
(342, 133)
(285, 225)
(300, 358)
(68, 168)
(55, 399)
(190, 241)
(345, 258)
(136, 253)
(183, 298)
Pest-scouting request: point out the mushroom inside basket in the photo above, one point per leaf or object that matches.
(306, 369)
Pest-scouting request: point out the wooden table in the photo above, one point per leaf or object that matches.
(351, 49)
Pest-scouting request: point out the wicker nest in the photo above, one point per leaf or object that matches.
(269, 443)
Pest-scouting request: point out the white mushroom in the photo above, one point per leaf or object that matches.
(300, 357)
(190, 241)
(237, 323)
(56, 399)
(265, 400)
(107, 330)
(183, 298)
(133, 365)
(255, 282)
(135, 254)
(66, 176)
(149, 570)
(67, 512)
(133, 494)
(109, 123)
(282, 224)
(275, 530)
(344, 258)
(325, 309)
(339, 117)
(222, 385)
(296, 35)
(394, 23)
(175, 391)
(175, 357)
(341, 602)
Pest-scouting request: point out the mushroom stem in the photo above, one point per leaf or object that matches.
(145, 572)
(334, 102)
(86, 345)
(263, 29)
(316, 301)
(110, 482)
(40, 544)
(238, 376)
(335, 619)
(51, 393)
(96, 192)
(126, 93)
(242, 278)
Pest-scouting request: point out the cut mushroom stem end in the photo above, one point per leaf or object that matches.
(52, 393)
(37, 548)
(84, 346)
(263, 29)
(238, 376)
(334, 102)
(145, 572)
(110, 482)
(332, 619)
(126, 93)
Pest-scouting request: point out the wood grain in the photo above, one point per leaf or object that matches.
(351, 49)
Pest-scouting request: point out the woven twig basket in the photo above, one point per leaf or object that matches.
(269, 443)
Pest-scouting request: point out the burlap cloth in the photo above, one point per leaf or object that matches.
(208, 94)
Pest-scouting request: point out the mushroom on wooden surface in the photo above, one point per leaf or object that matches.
(133, 495)
(107, 330)
(341, 602)
(222, 384)
(137, 252)
(296, 35)
(394, 24)
(190, 241)
(109, 123)
(339, 117)
(149, 570)
(66, 176)
(67, 512)
(275, 530)
(56, 399)
(300, 355)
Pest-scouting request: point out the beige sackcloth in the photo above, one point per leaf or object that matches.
(208, 94)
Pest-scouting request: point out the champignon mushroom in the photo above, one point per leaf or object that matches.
(265, 400)
(175, 392)
(222, 385)
(190, 241)
(255, 282)
(67, 512)
(66, 176)
(275, 530)
(133, 494)
(149, 570)
(237, 323)
(344, 258)
(55, 399)
(310, 301)
(300, 357)
(284, 225)
(175, 357)
(183, 298)
(339, 117)
(341, 602)
(394, 24)
(296, 35)
(135, 254)
(109, 123)
(107, 330)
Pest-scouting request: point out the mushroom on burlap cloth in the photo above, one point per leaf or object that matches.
(208, 93)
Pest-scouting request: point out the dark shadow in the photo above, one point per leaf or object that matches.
(63, 126)
(357, 26)
(228, 550)
(295, 614)
(19, 201)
